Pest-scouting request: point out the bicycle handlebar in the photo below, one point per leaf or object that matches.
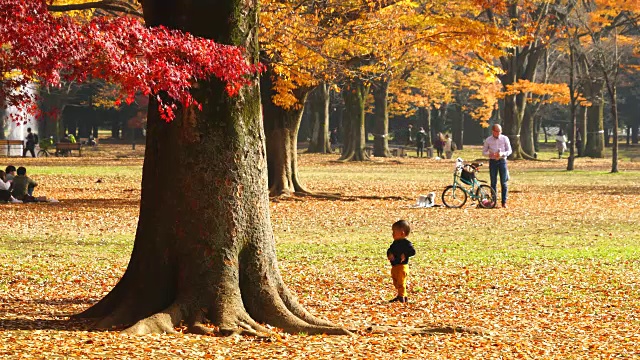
(475, 165)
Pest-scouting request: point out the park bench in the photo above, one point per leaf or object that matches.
(399, 151)
(65, 148)
(368, 150)
(10, 143)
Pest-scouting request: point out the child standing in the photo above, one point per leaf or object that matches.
(398, 254)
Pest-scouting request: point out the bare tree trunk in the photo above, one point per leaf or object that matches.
(381, 116)
(354, 137)
(207, 253)
(318, 106)
(614, 116)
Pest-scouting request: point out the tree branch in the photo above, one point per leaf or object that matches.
(109, 5)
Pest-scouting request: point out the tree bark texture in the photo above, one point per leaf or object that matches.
(281, 127)
(205, 253)
(381, 117)
(354, 137)
(318, 106)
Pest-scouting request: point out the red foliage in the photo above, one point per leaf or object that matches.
(51, 49)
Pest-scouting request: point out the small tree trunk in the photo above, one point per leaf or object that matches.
(512, 125)
(381, 117)
(354, 137)
(527, 134)
(457, 129)
(595, 129)
(318, 106)
(614, 116)
(206, 254)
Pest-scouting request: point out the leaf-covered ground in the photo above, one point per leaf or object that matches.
(555, 276)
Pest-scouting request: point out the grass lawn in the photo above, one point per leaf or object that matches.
(555, 276)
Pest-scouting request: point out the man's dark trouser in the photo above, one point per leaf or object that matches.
(30, 149)
(495, 167)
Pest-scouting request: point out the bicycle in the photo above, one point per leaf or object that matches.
(465, 185)
(45, 145)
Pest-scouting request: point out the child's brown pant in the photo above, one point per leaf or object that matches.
(399, 275)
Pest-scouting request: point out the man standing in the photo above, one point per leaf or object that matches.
(421, 139)
(409, 135)
(498, 147)
(31, 144)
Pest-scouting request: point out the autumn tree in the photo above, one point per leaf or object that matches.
(538, 24)
(608, 24)
(598, 41)
(387, 41)
(209, 254)
(291, 49)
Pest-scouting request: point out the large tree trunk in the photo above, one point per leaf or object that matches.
(281, 129)
(318, 106)
(354, 137)
(206, 253)
(381, 115)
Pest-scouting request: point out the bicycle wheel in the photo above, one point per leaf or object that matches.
(42, 153)
(454, 197)
(486, 196)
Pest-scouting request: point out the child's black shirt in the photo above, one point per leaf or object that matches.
(399, 247)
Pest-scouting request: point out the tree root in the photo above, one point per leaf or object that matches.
(354, 155)
(162, 322)
(376, 329)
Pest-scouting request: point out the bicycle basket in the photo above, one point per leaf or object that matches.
(467, 176)
(45, 143)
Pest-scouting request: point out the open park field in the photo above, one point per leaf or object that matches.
(557, 275)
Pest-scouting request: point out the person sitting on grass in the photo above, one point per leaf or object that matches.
(398, 254)
(5, 186)
(10, 173)
(22, 186)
